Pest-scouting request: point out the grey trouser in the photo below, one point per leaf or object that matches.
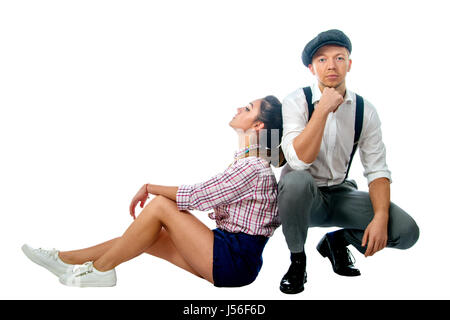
(302, 204)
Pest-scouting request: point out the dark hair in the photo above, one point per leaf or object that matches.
(270, 115)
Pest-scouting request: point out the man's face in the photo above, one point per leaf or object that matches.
(330, 65)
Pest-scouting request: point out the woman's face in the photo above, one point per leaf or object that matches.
(245, 118)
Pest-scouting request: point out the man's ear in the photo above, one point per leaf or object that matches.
(311, 68)
(349, 65)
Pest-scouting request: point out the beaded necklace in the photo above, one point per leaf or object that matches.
(242, 153)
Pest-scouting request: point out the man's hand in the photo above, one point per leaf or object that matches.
(376, 233)
(331, 99)
(375, 236)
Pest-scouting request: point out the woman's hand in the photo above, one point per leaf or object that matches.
(141, 196)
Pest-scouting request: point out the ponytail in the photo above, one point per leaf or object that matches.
(270, 137)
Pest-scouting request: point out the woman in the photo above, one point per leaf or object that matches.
(244, 201)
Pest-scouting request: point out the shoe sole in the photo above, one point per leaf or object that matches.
(292, 291)
(87, 285)
(32, 258)
(295, 291)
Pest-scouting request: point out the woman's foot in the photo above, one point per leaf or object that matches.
(86, 275)
(48, 259)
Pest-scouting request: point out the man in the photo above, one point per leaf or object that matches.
(318, 143)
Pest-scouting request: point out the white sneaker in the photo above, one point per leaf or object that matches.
(86, 275)
(48, 259)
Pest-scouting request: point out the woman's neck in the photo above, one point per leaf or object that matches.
(246, 140)
(249, 146)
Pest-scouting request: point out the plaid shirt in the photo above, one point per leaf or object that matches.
(244, 197)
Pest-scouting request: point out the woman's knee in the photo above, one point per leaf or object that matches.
(158, 202)
(156, 206)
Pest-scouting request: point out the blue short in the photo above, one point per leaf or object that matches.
(237, 258)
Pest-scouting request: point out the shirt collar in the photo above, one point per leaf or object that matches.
(316, 94)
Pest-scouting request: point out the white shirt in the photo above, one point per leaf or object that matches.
(331, 164)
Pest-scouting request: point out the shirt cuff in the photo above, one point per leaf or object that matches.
(293, 161)
(379, 174)
(183, 197)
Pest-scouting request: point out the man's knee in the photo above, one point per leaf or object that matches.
(296, 183)
(407, 233)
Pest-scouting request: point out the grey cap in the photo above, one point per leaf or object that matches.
(332, 36)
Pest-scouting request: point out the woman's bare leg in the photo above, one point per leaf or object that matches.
(89, 254)
(163, 248)
(192, 239)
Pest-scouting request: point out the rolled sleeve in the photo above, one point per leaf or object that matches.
(292, 159)
(372, 150)
(295, 118)
(376, 175)
(183, 197)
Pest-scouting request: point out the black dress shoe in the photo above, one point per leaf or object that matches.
(294, 279)
(339, 255)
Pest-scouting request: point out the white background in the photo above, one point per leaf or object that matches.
(100, 97)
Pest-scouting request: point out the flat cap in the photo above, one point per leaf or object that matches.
(332, 36)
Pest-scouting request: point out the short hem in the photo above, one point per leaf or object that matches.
(237, 258)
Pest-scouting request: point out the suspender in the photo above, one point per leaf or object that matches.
(358, 127)
(359, 116)
(308, 94)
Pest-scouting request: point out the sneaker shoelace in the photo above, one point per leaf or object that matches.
(49, 253)
(83, 269)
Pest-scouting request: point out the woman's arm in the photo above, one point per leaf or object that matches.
(168, 192)
(142, 195)
(235, 184)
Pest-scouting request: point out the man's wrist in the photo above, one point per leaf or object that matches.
(322, 111)
(382, 216)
